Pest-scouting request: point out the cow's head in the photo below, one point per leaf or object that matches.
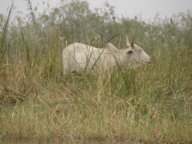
(136, 55)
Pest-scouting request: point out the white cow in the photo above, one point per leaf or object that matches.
(78, 57)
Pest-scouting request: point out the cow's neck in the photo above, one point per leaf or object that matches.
(120, 56)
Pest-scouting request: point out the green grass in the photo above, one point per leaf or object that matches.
(156, 106)
(149, 104)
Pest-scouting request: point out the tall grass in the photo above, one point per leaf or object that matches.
(4, 34)
(148, 104)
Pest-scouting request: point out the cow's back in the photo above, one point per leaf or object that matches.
(78, 57)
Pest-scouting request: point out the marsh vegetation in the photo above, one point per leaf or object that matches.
(149, 104)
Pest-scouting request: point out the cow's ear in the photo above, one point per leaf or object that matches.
(130, 51)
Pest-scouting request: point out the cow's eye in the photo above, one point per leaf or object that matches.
(130, 52)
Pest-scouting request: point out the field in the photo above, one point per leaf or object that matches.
(150, 104)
